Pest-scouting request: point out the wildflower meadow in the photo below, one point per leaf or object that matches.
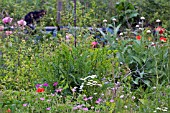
(85, 56)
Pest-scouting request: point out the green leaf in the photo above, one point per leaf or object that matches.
(137, 60)
(141, 74)
(147, 82)
(66, 86)
(143, 101)
(136, 80)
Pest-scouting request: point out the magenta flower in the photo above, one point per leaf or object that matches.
(21, 22)
(111, 100)
(45, 84)
(55, 84)
(94, 44)
(79, 106)
(59, 90)
(90, 98)
(68, 36)
(74, 89)
(48, 108)
(85, 99)
(1, 28)
(8, 33)
(42, 99)
(25, 104)
(7, 20)
(38, 85)
(75, 108)
(85, 109)
(98, 101)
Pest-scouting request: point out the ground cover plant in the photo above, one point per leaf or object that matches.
(121, 69)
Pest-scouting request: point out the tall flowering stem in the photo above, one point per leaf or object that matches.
(75, 22)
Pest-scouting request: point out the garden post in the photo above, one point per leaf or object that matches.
(59, 8)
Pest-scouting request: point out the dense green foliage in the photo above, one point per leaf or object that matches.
(91, 12)
(115, 73)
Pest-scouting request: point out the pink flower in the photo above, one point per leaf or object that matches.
(59, 90)
(90, 98)
(85, 109)
(98, 101)
(7, 20)
(160, 30)
(1, 28)
(68, 36)
(85, 99)
(21, 22)
(38, 85)
(111, 100)
(25, 105)
(94, 44)
(48, 108)
(45, 84)
(8, 33)
(79, 106)
(42, 99)
(75, 108)
(73, 90)
(55, 84)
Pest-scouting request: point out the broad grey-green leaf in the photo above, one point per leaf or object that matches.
(147, 82)
(137, 80)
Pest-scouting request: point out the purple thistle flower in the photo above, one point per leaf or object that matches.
(48, 108)
(45, 84)
(85, 109)
(55, 84)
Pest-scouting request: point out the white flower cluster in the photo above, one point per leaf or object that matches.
(161, 109)
(92, 76)
(89, 82)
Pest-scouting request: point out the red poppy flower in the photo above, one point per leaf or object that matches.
(40, 90)
(163, 39)
(8, 111)
(160, 30)
(138, 37)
